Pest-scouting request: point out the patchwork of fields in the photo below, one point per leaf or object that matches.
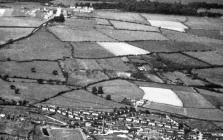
(172, 64)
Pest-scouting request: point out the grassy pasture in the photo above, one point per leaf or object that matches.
(215, 98)
(176, 77)
(164, 17)
(185, 37)
(29, 91)
(133, 26)
(213, 75)
(82, 99)
(180, 61)
(207, 114)
(120, 89)
(22, 22)
(89, 50)
(41, 70)
(122, 16)
(211, 57)
(170, 46)
(77, 35)
(41, 45)
(206, 33)
(79, 64)
(13, 33)
(100, 21)
(124, 35)
(194, 100)
(115, 64)
(81, 78)
(78, 23)
(204, 23)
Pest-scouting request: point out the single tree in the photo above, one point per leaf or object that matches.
(17, 91)
(94, 90)
(100, 90)
(108, 97)
(33, 70)
(12, 87)
(55, 72)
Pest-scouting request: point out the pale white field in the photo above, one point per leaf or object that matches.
(171, 25)
(123, 16)
(67, 34)
(2, 11)
(121, 48)
(13, 33)
(161, 95)
(6, 12)
(164, 17)
(125, 35)
(133, 26)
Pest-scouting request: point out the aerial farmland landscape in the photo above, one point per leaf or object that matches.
(111, 70)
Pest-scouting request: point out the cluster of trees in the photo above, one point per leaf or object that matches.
(158, 7)
(99, 91)
(13, 102)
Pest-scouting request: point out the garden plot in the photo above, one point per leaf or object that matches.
(204, 23)
(211, 57)
(124, 35)
(84, 100)
(121, 48)
(120, 89)
(102, 21)
(29, 91)
(115, 64)
(79, 64)
(160, 17)
(68, 34)
(216, 34)
(171, 25)
(179, 78)
(215, 98)
(19, 22)
(213, 75)
(183, 37)
(122, 16)
(13, 33)
(180, 61)
(193, 100)
(41, 45)
(133, 26)
(160, 95)
(89, 50)
(33, 70)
